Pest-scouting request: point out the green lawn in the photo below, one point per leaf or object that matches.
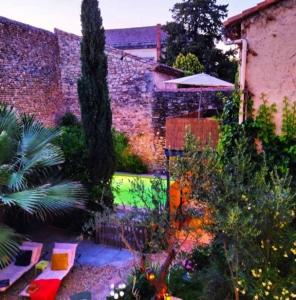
(121, 184)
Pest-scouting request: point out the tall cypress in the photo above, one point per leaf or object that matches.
(93, 93)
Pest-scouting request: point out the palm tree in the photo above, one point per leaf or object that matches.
(28, 159)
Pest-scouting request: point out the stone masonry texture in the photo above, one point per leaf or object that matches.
(39, 71)
(29, 70)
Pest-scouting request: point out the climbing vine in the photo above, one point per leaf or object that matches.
(264, 121)
(279, 150)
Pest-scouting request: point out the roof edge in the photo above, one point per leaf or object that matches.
(250, 11)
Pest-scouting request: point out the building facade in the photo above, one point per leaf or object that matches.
(270, 67)
(146, 42)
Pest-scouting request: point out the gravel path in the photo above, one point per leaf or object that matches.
(81, 278)
(94, 279)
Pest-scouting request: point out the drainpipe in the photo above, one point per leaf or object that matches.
(242, 72)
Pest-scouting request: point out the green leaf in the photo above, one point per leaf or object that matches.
(8, 244)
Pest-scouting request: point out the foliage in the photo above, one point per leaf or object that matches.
(184, 289)
(138, 285)
(289, 121)
(279, 150)
(188, 63)
(69, 119)
(166, 229)
(126, 161)
(196, 260)
(28, 163)
(265, 121)
(94, 100)
(72, 142)
(196, 29)
(231, 130)
(73, 145)
(252, 215)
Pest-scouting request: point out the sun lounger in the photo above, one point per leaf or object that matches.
(15, 270)
(46, 285)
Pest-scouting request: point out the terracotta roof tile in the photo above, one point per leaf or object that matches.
(248, 12)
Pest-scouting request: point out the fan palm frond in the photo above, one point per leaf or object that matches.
(28, 200)
(63, 197)
(6, 146)
(48, 156)
(8, 244)
(27, 154)
(34, 138)
(48, 199)
(8, 121)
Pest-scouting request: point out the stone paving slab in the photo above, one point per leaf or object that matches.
(91, 253)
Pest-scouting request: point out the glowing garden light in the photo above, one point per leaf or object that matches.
(149, 274)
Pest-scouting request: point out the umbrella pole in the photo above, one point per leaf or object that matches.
(199, 105)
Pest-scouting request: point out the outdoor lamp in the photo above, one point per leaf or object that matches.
(167, 296)
(149, 274)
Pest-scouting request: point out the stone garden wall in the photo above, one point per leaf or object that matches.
(39, 72)
(130, 89)
(29, 70)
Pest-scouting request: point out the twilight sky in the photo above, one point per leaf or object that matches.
(65, 14)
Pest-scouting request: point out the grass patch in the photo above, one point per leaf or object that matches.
(122, 186)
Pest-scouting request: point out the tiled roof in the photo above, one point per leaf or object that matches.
(246, 13)
(144, 36)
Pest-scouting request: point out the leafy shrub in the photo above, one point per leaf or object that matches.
(181, 288)
(189, 63)
(252, 212)
(125, 159)
(137, 283)
(73, 145)
(69, 119)
(196, 260)
(279, 150)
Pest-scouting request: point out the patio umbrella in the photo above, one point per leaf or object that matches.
(201, 80)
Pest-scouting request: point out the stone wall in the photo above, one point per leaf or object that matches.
(271, 61)
(39, 72)
(29, 70)
(131, 88)
(70, 68)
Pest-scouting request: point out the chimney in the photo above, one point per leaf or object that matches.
(158, 43)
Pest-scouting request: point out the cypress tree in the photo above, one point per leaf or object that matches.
(96, 115)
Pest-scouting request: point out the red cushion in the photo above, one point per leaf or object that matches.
(48, 289)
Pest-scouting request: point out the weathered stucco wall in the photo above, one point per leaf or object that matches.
(29, 70)
(271, 61)
(159, 81)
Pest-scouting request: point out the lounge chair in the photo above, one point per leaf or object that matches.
(46, 285)
(21, 265)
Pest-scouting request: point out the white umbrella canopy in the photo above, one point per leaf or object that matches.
(202, 80)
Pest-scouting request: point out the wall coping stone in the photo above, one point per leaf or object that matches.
(30, 27)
